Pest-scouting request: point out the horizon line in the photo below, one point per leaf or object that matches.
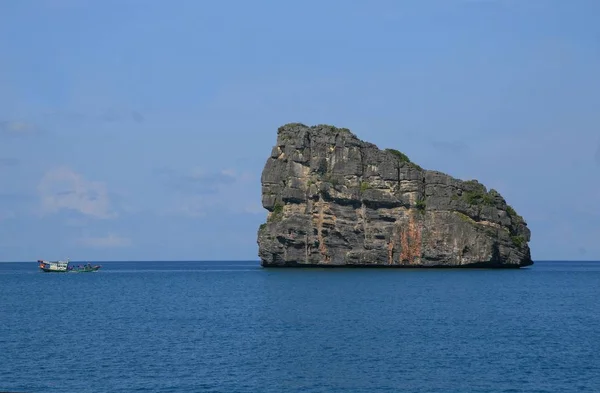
(251, 260)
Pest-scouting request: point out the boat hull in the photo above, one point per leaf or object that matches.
(85, 270)
(53, 267)
(46, 270)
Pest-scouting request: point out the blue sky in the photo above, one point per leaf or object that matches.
(137, 130)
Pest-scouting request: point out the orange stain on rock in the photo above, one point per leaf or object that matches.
(391, 252)
(410, 241)
(320, 219)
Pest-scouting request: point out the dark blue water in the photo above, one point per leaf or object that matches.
(235, 327)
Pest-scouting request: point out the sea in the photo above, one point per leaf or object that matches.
(234, 327)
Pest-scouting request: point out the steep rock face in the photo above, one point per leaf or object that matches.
(334, 200)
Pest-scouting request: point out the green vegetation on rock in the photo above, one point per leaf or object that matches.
(289, 125)
(478, 197)
(401, 156)
(518, 240)
(515, 217)
(415, 166)
(329, 178)
(464, 217)
(277, 213)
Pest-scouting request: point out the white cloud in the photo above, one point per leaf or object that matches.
(63, 188)
(108, 241)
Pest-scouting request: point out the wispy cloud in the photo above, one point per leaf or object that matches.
(63, 4)
(199, 191)
(6, 162)
(197, 206)
(5, 215)
(63, 188)
(192, 206)
(18, 128)
(117, 116)
(72, 118)
(137, 116)
(198, 181)
(253, 208)
(109, 241)
(450, 146)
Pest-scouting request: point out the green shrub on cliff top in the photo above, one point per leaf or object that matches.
(511, 211)
(416, 166)
(401, 156)
(513, 214)
(479, 197)
(290, 125)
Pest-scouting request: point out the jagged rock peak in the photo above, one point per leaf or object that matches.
(335, 200)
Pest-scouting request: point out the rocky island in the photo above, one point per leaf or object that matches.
(335, 200)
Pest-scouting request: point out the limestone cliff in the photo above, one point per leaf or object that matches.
(334, 200)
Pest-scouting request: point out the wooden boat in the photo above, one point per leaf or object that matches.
(53, 266)
(63, 267)
(84, 269)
